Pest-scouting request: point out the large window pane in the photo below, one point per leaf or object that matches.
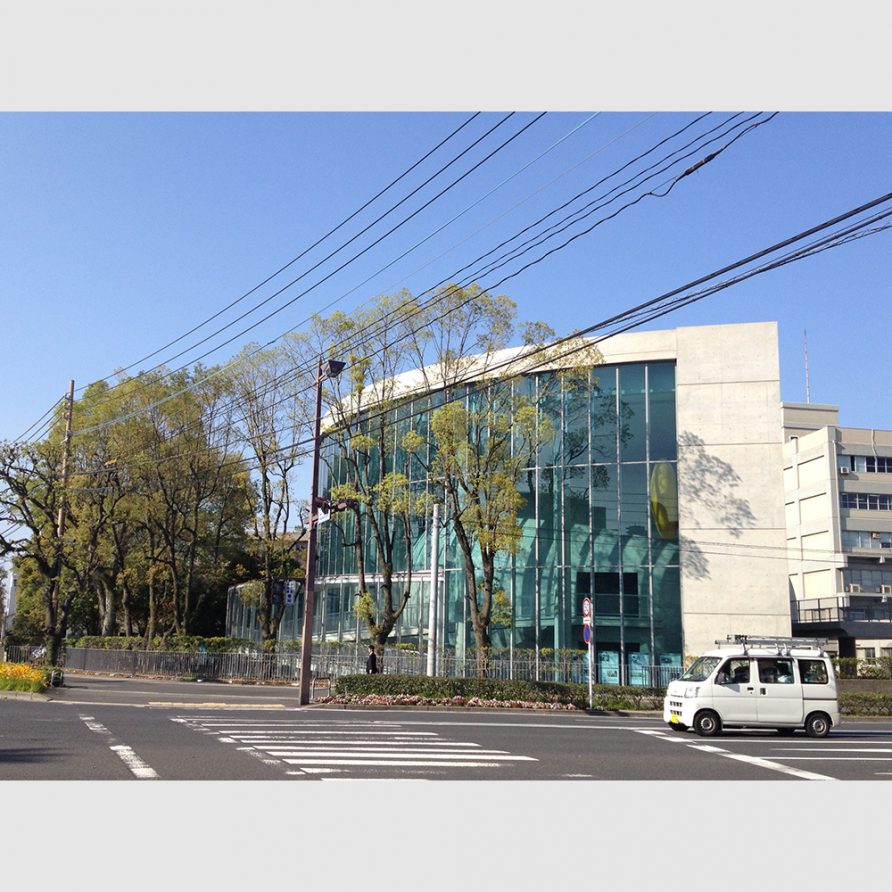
(661, 395)
(549, 592)
(549, 525)
(667, 610)
(577, 423)
(605, 522)
(526, 517)
(548, 401)
(577, 514)
(604, 416)
(632, 413)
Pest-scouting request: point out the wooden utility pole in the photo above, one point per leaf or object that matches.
(60, 519)
(52, 612)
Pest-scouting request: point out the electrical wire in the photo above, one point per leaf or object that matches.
(306, 251)
(21, 437)
(636, 314)
(383, 322)
(660, 306)
(352, 259)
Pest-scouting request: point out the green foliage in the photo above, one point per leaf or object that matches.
(864, 703)
(443, 690)
(251, 593)
(502, 615)
(852, 667)
(365, 608)
(172, 644)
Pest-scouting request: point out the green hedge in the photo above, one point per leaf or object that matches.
(865, 703)
(442, 690)
(604, 697)
(174, 643)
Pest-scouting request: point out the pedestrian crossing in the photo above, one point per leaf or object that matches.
(775, 754)
(326, 747)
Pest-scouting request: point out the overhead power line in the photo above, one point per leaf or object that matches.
(346, 263)
(662, 305)
(31, 430)
(383, 321)
(303, 253)
(499, 148)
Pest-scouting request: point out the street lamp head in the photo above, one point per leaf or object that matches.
(335, 368)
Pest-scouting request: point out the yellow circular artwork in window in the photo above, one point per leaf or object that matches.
(664, 499)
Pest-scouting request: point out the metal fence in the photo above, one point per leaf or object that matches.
(332, 664)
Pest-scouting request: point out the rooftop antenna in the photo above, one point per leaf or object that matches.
(807, 390)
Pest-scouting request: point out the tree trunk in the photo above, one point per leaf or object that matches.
(107, 609)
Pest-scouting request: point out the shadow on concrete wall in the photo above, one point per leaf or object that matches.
(709, 486)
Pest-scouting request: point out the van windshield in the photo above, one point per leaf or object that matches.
(700, 669)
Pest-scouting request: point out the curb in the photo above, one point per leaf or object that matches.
(23, 695)
(494, 709)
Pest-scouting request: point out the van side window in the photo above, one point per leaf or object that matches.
(813, 671)
(776, 671)
(737, 671)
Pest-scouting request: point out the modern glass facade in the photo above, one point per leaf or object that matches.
(599, 519)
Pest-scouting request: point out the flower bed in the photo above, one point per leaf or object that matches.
(417, 700)
(420, 690)
(24, 677)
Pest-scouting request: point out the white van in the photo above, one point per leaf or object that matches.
(781, 683)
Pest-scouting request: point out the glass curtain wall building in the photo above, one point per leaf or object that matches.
(599, 519)
(659, 494)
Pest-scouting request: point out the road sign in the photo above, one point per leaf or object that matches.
(586, 611)
(587, 633)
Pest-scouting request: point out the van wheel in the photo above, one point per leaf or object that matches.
(707, 723)
(817, 725)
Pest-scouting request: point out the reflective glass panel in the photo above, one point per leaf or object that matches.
(632, 410)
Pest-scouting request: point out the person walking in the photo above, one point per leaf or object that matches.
(371, 663)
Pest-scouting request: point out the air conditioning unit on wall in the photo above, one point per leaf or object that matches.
(853, 587)
(844, 471)
(886, 589)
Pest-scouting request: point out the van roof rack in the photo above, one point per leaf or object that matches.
(781, 645)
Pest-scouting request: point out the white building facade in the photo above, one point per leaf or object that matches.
(838, 503)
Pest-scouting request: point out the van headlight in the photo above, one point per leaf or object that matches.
(691, 692)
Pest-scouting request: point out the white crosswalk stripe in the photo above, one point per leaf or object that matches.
(323, 747)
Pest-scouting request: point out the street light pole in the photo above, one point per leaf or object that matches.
(306, 641)
(434, 593)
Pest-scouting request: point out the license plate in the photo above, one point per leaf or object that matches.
(673, 719)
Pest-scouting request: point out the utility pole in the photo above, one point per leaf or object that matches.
(60, 519)
(306, 641)
(52, 613)
(434, 594)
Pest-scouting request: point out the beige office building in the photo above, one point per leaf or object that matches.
(838, 485)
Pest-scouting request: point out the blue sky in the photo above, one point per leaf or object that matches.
(121, 231)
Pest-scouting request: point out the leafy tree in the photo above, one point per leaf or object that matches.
(30, 497)
(156, 506)
(375, 482)
(487, 430)
(272, 421)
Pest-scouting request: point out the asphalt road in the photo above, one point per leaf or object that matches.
(97, 728)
